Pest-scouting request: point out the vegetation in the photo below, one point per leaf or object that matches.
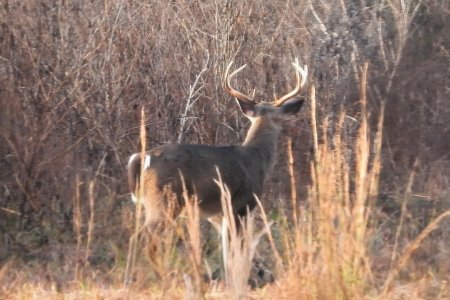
(356, 207)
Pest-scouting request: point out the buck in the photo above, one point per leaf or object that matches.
(193, 168)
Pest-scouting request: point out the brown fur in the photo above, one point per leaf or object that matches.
(243, 168)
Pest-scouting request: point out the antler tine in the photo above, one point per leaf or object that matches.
(229, 89)
(300, 82)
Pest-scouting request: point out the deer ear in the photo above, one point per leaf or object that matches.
(292, 106)
(247, 108)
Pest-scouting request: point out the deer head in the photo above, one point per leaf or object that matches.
(287, 104)
(267, 117)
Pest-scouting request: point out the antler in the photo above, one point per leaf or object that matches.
(230, 90)
(299, 72)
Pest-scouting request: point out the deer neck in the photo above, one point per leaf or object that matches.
(263, 138)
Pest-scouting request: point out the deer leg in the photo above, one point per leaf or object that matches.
(221, 225)
(216, 222)
(225, 245)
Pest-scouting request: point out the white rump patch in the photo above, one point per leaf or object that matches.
(147, 161)
(132, 158)
(133, 198)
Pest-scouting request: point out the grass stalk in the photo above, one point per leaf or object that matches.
(293, 184)
(133, 241)
(409, 250)
(77, 221)
(91, 222)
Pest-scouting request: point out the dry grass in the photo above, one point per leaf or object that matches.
(357, 204)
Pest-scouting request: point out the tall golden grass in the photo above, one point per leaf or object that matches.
(320, 250)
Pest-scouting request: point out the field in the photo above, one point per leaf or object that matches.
(357, 205)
